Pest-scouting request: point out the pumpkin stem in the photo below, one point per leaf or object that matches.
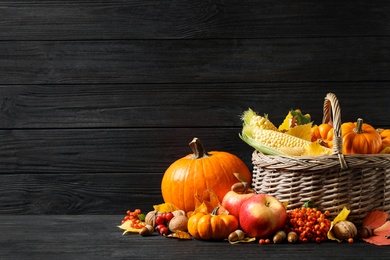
(359, 126)
(215, 211)
(198, 149)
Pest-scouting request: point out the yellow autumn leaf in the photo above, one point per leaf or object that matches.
(285, 126)
(180, 235)
(294, 118)
(340, 217)
(244, 240)
(315, 149)
(301, 131)
(127, 228)
(202, 208)
(386, 150)
(165, 207)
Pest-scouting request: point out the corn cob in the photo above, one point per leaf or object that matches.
(254, 120)
(273, 142)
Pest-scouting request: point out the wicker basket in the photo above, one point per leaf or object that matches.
(360, 182)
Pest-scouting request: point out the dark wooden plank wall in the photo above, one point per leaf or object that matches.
(98, 98)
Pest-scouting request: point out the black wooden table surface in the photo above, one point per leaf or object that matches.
(97, 237)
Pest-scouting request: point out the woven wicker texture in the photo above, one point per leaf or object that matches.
(360, 182)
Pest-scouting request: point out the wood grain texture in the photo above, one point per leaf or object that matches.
(164, 19)
(109, 150)
(98, 98)
(79, 193)
(182, 105)
(195, 61)
(97, 237)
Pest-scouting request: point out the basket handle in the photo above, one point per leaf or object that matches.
(331, 104)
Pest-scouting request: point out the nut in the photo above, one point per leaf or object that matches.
(178, 223)
(146, 230)
(279, 237)
(178, 212)
(236, 236)
(292, 237)
(150, 218)
(344, 229)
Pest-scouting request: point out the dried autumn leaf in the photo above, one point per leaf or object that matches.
(386, 150)
(244, 240)
(285, 126)
(210, 200)
(180, 235)
(315, 149)
(378, 240)
(127, 228)
(301, 118)
(383, 230)
(165, 207)
(376, 220)
(301, 131)
(294, 118)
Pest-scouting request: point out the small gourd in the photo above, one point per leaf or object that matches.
(211, 226)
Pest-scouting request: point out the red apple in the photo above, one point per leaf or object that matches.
(232, 202)
(262, 215)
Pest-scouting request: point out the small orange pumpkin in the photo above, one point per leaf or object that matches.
(211, 226)
(323, 133)
(385, 135)
(198, 172)
(360, 138)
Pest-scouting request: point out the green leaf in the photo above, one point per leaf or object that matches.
(301, 119)
(141, 217)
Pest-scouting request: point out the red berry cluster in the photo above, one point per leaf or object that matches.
(310, 224)
(134, 219)
(162, 222)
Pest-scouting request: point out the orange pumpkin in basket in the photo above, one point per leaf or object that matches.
(360, 138)
(198, 172)
(385, 135)
(324, 133)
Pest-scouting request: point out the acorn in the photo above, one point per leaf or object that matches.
(292, 237)
(279, 237)
(147, 230)
(236, 236)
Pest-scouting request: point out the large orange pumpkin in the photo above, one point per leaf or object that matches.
(198, 172)
(360, 138)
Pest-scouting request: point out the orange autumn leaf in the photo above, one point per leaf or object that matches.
(377, 221)
(383, 230)
(210, 201)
